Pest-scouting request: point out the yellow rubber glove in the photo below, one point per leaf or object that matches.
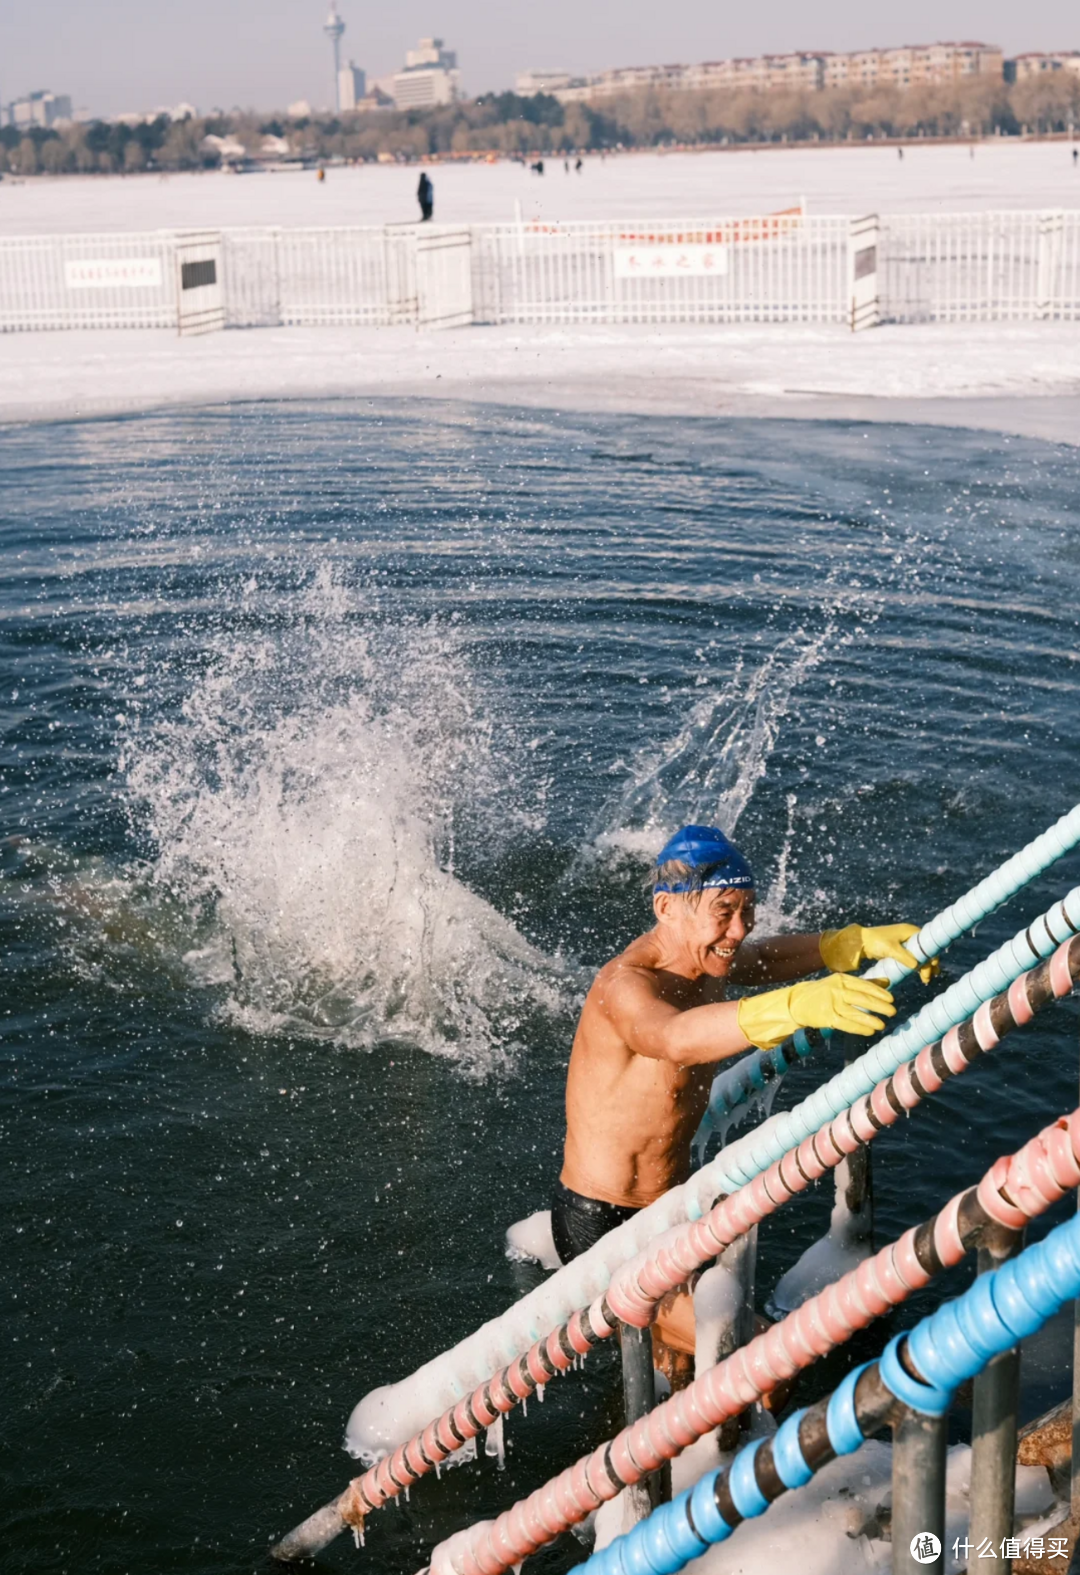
(837, 1001)
(843, 950)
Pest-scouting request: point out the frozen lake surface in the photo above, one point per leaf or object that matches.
(855, 179)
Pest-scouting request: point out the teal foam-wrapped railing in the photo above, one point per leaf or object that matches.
(733, 1086)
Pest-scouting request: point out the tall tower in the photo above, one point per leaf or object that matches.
(333, 27)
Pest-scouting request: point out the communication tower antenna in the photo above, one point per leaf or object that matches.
(333, 27)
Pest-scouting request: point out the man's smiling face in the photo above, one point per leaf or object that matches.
(707, 927)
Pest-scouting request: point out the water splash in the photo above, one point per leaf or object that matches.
(306, 803)
(707, 773)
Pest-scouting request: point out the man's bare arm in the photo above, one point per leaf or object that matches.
(652, 1027)
(777, 959)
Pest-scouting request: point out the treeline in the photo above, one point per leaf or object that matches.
(507, 124)
(106, 147)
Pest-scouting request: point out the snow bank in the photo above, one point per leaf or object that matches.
(1014, 377)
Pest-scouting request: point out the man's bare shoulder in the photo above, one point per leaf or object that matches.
(633, 971)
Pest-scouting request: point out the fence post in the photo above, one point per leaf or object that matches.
(724, 1315)
(863, 242)
(996, 1397)
(200, 303)
(639, 1397)
(277, 277)
(1051, 230)
(918, 1490)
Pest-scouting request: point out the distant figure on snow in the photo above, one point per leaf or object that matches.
(425, 196)
(900, 154)
(538, 167)
(1076, 157)
(579, 166)
(322, 174)
(566, 166)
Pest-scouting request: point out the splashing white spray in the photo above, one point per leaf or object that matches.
(305, 802)
(708, 772)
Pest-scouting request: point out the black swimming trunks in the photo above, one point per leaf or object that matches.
(577, 1223)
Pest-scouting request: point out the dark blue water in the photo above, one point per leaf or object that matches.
(335, 741)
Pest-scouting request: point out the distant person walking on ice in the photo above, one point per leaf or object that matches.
(656, 1022)
(425, 195)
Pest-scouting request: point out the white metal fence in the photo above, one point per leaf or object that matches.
(981, 267)
(779, 268)
(320, 278)
(88, 281)
(786, 267)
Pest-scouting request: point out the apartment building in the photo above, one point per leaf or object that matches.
(1037, 65)
(529, 83)
(806, 71)
(430, 76)
(38, 109)
(758, 74)
(904, 67)
(762, 73)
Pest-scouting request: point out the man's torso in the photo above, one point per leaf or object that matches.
(630, 1119)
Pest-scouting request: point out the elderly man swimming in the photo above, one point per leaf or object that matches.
(656, 1022)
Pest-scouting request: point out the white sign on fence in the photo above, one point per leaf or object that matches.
(113, 273)
(670, 262)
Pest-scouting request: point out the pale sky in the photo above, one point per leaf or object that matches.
(114, 56)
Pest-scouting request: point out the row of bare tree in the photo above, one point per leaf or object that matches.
(507, 124)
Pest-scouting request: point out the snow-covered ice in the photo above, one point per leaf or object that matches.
(905, 373)
(858, 178)
(978, 375)
(1011, 377)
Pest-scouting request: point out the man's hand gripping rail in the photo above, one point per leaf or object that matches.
(738, 1083)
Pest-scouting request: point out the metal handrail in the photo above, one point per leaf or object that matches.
(634, 1294)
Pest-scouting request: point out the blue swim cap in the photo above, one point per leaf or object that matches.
(706, 848)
